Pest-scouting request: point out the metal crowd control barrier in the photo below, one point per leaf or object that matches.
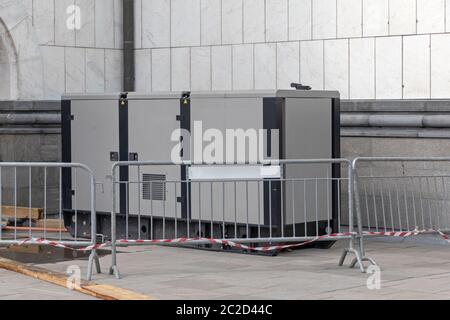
(293, 201)
(32, 192)
(402, 196)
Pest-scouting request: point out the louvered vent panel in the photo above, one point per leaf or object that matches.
(154, 187)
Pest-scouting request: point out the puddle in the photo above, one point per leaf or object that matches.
(39, 254)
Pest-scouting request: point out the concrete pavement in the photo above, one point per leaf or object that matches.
(14, 286)
(410, 270)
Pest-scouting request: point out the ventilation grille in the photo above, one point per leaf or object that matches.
(154, 187)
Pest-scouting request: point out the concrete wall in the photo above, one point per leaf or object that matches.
(416, 197)
(30, 132)
(395, 147)
(34, 148)
(49, 58)
(366, 49)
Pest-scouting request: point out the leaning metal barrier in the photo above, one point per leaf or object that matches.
(285, 205)
(402, 197)
(34, 198)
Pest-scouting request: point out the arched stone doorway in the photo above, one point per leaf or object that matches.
(20, 56)
(8, 71)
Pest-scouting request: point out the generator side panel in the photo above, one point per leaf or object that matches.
(229, 201)
(151, 124)
(94, 138)
(308, 134)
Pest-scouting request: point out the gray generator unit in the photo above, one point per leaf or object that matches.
(100, 129)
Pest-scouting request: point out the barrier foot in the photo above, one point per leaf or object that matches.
(93, 259)
(114, 270)
(373, 262)
(370, 260)
(97, 263)
(343, 256)
(359, 261)
(356, 260)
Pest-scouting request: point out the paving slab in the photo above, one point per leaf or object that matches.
(14, 286)
(409, 270)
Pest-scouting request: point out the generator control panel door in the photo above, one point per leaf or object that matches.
(151, 124)
(94, 136)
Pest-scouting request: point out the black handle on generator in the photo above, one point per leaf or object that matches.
(299, 86)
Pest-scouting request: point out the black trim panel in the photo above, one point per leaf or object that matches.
(185, 124)
(336, 154)
(66, 153)
(123, 150)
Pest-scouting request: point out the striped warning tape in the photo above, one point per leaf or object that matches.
(238, 245)
(334, 236)
(401, 234)
(56, 244)
(189, 240)
(444, 236)
(405, 234)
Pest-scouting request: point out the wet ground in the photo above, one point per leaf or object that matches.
(38, 254)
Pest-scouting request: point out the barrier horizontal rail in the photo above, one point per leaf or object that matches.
(43, 191)
(402, 196)
(300, 203)
(164, 203)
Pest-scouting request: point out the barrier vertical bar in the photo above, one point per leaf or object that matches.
(176, 209)
(15, 203)
(212, 209)
(60, 203)
(247, 208)
(293, 206)
(29, 202)
(45, 202)
(114, 268)
(223, 210)
(139, 200)
(1, 203)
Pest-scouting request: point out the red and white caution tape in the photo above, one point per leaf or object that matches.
(405, 234)
(186, 241)
(402, 234)
(60, 245)
(238, 245)
(444, 236)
